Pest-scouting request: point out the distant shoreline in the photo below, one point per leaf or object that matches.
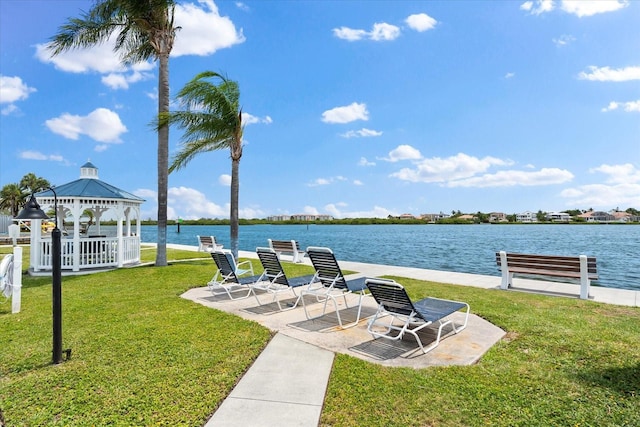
(371, 221)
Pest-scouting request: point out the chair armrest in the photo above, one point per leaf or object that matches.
(248, 267)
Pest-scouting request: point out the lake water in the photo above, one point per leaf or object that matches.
(457, 248)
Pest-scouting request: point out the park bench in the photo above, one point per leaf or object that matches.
(580, 267)
(287, 247)
(208, 244)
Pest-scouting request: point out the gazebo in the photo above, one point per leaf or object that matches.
(85, 202)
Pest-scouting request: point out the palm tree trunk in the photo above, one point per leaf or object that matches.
(163, 159)
(233, 216)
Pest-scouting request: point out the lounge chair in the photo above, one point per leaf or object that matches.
(274, 280)
(410, 317)
(228, 275)
(329, 283)
(208, 244)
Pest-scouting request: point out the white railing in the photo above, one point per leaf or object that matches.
(94, 253)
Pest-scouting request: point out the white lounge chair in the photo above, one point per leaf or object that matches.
(329, 284)
(405, 316)
(274, 281)
(228, 277)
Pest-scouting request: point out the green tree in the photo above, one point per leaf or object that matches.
(30, 183)
(12, 198)
(145, 30)
(211, 120)
(482, 217)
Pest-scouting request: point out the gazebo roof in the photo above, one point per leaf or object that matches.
(89, 186)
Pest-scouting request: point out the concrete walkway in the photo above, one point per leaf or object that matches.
(286, 384)
(285, 387)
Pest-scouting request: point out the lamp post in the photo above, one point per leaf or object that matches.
(32, 210)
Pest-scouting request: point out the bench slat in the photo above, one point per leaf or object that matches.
(547, 265)
(556, 265)
(287, 246)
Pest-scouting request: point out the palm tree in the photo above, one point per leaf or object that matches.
(211, 120)
(145, 30)
(30, 183)
(12, 198)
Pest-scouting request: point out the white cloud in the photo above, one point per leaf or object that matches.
(13, 89)
(606, 74)
(564, 40)
(384, 31)
(242, 6)
(346, 114)
(364, 162)
(336, 210)
(512, 178)
(249, 119)
(509, 75)
(319, 181)
(203, 30)
(619, 173)
(621, 188)
(380, 31)
(446, 170)
(36, 155)
(190, 203)
(121, 80)
(630, 106)
(538, 7)
(582, 8)
(403, 152)
(421, 22)
(225, 180)
(251, 213)
(9, 109)
(357, 182)
(579, 8)
(326, 181)
(100, 58)
(146, 194)
(362, 133)
(310, 210)
(102, 125)
(349, 34)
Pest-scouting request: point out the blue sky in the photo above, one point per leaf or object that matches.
(352, 108)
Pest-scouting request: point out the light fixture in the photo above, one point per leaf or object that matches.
(32, 210)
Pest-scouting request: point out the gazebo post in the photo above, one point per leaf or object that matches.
(76, 234)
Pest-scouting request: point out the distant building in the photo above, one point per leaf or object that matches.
(276, 218)
(467, 217)
(406, 216)
(309, 217)
(558, 217)
(497, 217)
(527, 216)
(597, 216)
(433, 217)
(622, 216)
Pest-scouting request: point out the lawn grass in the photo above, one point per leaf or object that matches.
(564, 362)
(140, 354)
(143, 356)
